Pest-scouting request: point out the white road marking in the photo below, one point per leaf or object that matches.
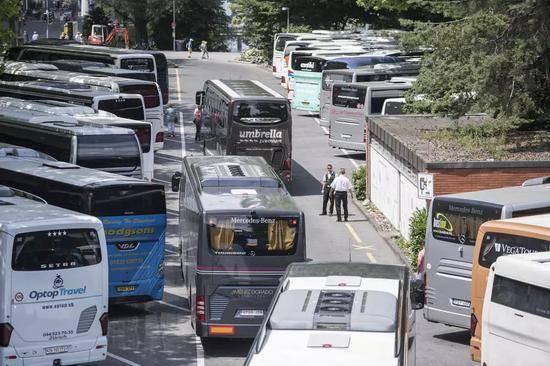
(182, 136)
(200, 351)
(178, 85)
(122, 359)
(168, 158)
(173, 306)
(162, 181)
(349, 158)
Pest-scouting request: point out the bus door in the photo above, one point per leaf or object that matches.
(347, 121)
(328, 79)
(450, 239)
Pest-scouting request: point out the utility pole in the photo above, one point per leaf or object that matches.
(84, 7)
(174, 24)
(47, 19)
(287, 17)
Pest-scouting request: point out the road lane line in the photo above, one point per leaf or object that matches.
(173, 306)
(349, 158)
(354, 233)
(178, 85)
(325, 130)
(162, 181)
(182, 137)
(122, 359)
(174, 160)
(200, 351)
(371, 258)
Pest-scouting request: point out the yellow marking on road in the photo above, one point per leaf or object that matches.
(371, 258)
(354, 233)
(178, 85)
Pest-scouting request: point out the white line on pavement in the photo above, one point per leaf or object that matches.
(173, 306)
(178, 85)
(349, 158)
(200, 351)
(182, 136)
(174, 159)
(122, 359)
(162, 181)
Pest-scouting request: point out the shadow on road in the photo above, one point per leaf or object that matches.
(303, 183)
(460, 337)
(214, 347)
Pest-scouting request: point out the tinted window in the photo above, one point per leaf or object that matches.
(260, 112)
(143, 133)
(393, 108)
(496, 244)
(521, 296)
(372, 77)
(458, 222)
(55, 249)
(329, 79)
(125, 108)
(281, 42)
(252, 236)
(146, 64)
(108, 151)
(149, 92)
(348, 97)
(308, 63)
(119, 200)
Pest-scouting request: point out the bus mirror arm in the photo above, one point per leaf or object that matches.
(417, 294)
(176, 178)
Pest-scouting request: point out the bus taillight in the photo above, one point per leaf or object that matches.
(200, 308)
(159, 137)
(5, 334)
(104, 321)
(287, 164)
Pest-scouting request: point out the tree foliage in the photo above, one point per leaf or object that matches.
(9, 13)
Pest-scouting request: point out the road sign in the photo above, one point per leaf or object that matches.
(425, 183)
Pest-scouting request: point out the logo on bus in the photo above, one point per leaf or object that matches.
(19, 297)
(257, 134)
(127, 246)
(59, 289)
(307, 65)
(58, 282)
(130, 231)
(442, 223)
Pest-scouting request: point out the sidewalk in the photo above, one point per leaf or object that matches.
(218, 56)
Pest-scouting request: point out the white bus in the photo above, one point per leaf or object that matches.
(516, 311)
(54, 293)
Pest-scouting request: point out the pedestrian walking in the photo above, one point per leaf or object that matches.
(197, 120)
(34, 36)
(25, 36)
(341, 186)
(326, 191)
(189, 47)
(204, 50)
(170, 118)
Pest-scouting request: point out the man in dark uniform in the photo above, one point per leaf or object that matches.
(328, 177)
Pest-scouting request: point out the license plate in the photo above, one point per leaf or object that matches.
(461, 303)
(125, 288)
(57, 349)
(250, 313)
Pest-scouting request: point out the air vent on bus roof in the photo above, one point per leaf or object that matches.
(235, 176)
(63, 124)
(235, 170)
(60, 165)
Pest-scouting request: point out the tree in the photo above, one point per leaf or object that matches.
(96, 16)
(8, 16)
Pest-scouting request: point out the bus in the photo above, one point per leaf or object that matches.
(351, 104)
(22, 71)
(279, 43)
(239, 229)
(99, 68)
(248, 118)
(453, 224)
(521, 235)
(87, 116)
(121, 104)
(516, 311)
(111, 149)
(21, 151)
(54, 308)
(133, 213)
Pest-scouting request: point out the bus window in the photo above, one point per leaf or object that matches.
(260, 112)
(348, 97)
(307, 64)
(521, 296)
(393, 108)
(135, 200)
(252, 236)
(54, 250)
(149, 92)
(281, 42)
(124, 108)
(108, 151)
(133, 63)
(329, 79)
(495, 245)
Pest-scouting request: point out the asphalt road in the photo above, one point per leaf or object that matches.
(160, 333)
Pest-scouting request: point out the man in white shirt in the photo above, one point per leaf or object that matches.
(341, 186)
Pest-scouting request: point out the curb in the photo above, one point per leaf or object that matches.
(386, 235)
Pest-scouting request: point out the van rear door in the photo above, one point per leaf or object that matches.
(57, 291)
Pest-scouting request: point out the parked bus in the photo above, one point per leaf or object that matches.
(521, 235)
(107, 148)
(21, 151)
(99, 68)
(133, 213)
(87, 116)
(453, 224)
(122, 105)
(239, 229)
(339, 314)
(279, 43)
(54, 289)
(516, 311)
(21, 71)
(248, 118)
(352, 103)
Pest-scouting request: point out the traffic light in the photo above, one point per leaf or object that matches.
(50, 17)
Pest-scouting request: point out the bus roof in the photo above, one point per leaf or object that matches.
(71, 47)
(51, 107)
(378, 85)
(55, 87)
(245, 89)
(508, 196)
(535, 225)
(532, 268)
(363, 270)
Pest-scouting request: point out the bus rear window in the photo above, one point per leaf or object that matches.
(308, 64)
(124, 108)
(329, 79)
(521, 296)
(458, 221)
(348, 97)
(145, 64)
(143, 133)
(281, 42)
(149, 93)
(252, 236)
(108, 151)
(120, 200)
(55, 250)
(495, 245)
(260, 112)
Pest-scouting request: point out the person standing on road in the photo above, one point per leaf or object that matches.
(326, 191)
(197, 120)
(25, 36)
(204, 50)
(341, 186)
(34, 36)
(189, 47)
(171, 119)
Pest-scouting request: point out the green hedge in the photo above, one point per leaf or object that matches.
(417, 233)
(359, 179)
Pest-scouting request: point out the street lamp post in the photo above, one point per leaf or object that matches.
(287, 9)
(174, 24)
(47, 19)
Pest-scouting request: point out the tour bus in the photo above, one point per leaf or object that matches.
(21, 151)
(279, 43)
(352, 103)
(22, 71)
(373, 58)
(453, 224)
(340, 314)
(516, 311)
(87, 116)
(122, 105)
(99, 68)
(521, 235)
(248, 118)
(239, 229)
(54, 293)
(133, 213)
(111, 149)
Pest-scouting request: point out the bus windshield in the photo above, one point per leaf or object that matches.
(124, 108)
(146, 64)
(348, 97)
(495, 245)
(252, 235)
(329, 79)
(123, 200)
(308, 64)
(281, 42)
(149, 93)
(55, 250)
(260, 112)
(108, 151)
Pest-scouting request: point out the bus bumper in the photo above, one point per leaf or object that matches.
(136, 291)
(348, 145)
(310, 106)
(208, 330)
(446, 317)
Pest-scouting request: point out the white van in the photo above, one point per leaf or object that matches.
(516, 312)
(54, 294)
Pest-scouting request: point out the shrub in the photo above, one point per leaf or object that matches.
(254, 55)
(417, 233)
(359, 179)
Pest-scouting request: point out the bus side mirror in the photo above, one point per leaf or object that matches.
(199, 96)
(417, 294)
(176, 178)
